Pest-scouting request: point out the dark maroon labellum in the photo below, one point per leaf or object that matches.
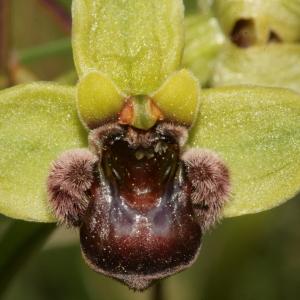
(140, 222)
(141, 202)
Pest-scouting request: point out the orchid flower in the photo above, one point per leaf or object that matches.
(136, 156)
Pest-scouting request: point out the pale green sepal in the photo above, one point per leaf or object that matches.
(136, 43)
(256, 131)
(38, 121)
(98, 99)
(178, 97)
(275, 65)
(203, 42)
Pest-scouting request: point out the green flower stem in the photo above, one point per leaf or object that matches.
(158, 291)
(17, 245)
(53, 48)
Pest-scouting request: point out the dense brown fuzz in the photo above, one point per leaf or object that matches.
(210, 184)
(179, 133)
(98, 135)
(137, 137)
(70, 177)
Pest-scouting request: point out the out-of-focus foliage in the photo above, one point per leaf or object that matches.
(34, 25)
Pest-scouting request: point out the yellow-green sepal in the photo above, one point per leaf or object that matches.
(178, 97)
(38, 122)
(274, 65)
(98, 99)
(256, 131)
(136, 43)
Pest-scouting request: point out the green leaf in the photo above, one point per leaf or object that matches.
(281, 17)
(275, 65)
(136, 43)
(203, 42)
(17, 245)
(257, 132)
(37, 122)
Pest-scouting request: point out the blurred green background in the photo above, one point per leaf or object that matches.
(250, 257)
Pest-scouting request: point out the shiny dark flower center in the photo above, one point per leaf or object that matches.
(141, 176)
(140, 221)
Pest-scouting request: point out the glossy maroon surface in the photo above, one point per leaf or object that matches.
(140, 220)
